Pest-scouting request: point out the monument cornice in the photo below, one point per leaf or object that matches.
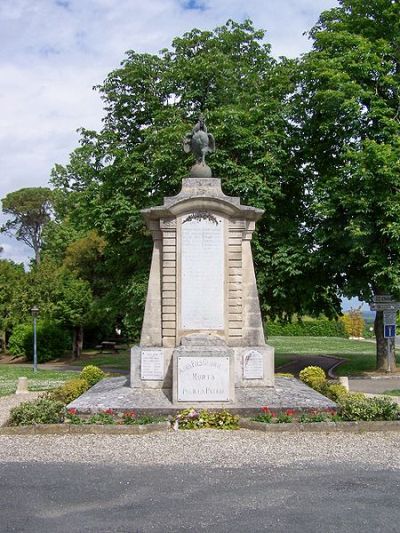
(205, 194)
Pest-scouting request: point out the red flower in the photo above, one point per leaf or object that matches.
(290, 412)
(130, 414)
(265, 410)
(108, 412)
(72, 411)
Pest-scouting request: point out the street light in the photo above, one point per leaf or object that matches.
(35, 312)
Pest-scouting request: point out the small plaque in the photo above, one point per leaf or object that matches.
(203, 379)
(253, 365)
(152, 365)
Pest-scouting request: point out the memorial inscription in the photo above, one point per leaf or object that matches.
(203, 379)
(253, 365)
(152, 365)
(202, 273)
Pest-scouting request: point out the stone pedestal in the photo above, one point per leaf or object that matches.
(202, 308)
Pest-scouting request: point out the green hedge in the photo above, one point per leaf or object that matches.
(52, 341)
(310, 328)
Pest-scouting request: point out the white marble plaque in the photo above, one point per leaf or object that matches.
(202, 273)
(203, 379)
(253, 365)
(152, 365)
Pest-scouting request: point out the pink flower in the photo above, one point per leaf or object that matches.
(72, 411)
(265, 410)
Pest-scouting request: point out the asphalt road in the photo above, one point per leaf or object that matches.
(58, 498)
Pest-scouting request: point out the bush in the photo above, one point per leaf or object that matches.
(92, 374)
(68, 392)
(314, 377)
(335, 391)
(40, 411)
(309, 328)
(52, 341)
(357, 406)
(192, 419)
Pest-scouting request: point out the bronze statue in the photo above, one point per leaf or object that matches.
(199, 142)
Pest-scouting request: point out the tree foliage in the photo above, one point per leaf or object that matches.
(348, 117)
(30, 209)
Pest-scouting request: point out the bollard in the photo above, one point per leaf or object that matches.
(22, 387)
(344, 380)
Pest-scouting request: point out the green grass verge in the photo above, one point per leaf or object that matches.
(37, 381)
(360, 355)
(393, 392)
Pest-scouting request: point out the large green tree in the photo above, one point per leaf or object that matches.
(349, 120)
(30, 210)
(11, 275)
(151, 101)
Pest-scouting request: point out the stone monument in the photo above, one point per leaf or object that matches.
(202, 337)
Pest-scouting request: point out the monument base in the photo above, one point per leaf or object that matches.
(202, 370)
(116, 394)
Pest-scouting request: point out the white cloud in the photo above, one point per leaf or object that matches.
(53, 51)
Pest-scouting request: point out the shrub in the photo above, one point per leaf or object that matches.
(335, 391)
(92, 374)
(52, 341)
(40, 411)
(357, 406)
(192, 419)
(309, 328)
(69, 391)
(314, 377)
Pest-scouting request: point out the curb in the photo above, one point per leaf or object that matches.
(322, 427)
(85, 429)
(294, 427)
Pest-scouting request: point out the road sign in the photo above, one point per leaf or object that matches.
(385, 306)
(389, 317)
(390, 331)
(383, 298)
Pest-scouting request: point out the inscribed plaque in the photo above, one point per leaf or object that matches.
(152, 365)
(253, 365)
(202, 273)
(203, 379)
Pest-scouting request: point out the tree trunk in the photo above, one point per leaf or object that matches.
(77, 342)
(385, 348)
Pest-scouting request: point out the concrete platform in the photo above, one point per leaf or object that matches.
(115, 394)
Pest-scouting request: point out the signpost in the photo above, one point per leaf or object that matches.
(385, 303)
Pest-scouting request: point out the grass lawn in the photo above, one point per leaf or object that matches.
(41, 380)
(121, 360)
(361, 355)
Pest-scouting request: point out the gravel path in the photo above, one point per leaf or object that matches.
(8, 402)
(207, 447)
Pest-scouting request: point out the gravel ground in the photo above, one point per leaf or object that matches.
(207, 447)
(8, 402)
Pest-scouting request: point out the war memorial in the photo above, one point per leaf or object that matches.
(202, 342)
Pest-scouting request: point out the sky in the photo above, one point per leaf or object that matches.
(52, 53)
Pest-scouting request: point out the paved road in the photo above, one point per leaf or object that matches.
(298, 363)
(374, 385)
(300, 486)
(61, 498)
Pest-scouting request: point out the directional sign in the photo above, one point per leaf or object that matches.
(383, 298)
(390, 331)
(393, 306)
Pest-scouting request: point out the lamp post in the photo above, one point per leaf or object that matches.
(35, 312)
